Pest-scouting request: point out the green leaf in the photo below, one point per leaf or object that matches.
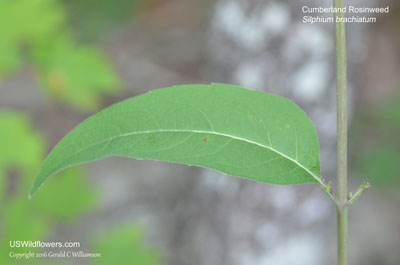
(87, 15)
(56, 201)
(36, 31)
(77, 75)
(20, 145)
(240, 132)
(10, 59)
(380, 165)
(25, 22)
(21, 223)
(125, 245)
(21, 148)
(30, 20)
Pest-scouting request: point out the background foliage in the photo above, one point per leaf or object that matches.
(35, 35)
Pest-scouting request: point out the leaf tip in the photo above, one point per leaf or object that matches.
(31, 192)
(35, 186)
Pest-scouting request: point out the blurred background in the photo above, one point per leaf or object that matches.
(61, 61)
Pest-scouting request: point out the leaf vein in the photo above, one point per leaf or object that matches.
(206, 132)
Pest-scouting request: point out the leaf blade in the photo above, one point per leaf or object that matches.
(239, 132)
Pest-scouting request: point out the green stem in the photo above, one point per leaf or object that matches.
(342, 236)
(341, 86)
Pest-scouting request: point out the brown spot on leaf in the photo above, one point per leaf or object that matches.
(205, 139)
(287, 126)
(261, 121)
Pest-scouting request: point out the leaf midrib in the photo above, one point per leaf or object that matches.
(205, 132)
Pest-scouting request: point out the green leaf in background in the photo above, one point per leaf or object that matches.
(22, 150)
(379, 126)
(30, 20)
(57, 200)
(78, 75)
(388, 115)
(125, 246)
(35, 31)
(10, 59)
(240, 132)
(21, 222)
(380, 165)
(21, 147)
(25, 22)
(20, 144)
(91, 18)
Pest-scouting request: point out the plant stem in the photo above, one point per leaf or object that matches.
(341, 86)
(342, 236)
